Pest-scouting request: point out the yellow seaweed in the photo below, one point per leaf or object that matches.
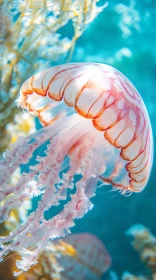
(30, 40)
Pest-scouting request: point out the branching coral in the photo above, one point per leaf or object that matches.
(16, 215)
(145, 244)
(130, 18)
(31, 39)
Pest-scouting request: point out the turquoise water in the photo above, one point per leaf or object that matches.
(124, 36)
(131, 48)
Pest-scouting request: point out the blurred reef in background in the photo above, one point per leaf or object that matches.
(35, 35)
(144, 242)
(31, 41)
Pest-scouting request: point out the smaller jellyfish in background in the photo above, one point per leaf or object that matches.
(96, 126)
(75, 257)
(91, 259)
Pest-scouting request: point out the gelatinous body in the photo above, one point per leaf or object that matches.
(97, 127)
(104, 95)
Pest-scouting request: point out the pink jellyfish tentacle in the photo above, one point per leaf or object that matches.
(26, 187)
(77, 203)
(98, 129)
(50, 180)
(21, 152)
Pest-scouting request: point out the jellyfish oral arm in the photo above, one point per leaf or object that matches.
(80, 148)
(97, 128)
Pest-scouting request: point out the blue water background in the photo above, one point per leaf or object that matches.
(104, 41)
(135, 56)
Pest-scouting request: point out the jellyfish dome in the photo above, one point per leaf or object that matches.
(96, 128)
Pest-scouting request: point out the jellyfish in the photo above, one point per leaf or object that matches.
(97, 129)
(91, 258)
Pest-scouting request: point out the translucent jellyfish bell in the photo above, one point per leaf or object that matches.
(97, 126)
